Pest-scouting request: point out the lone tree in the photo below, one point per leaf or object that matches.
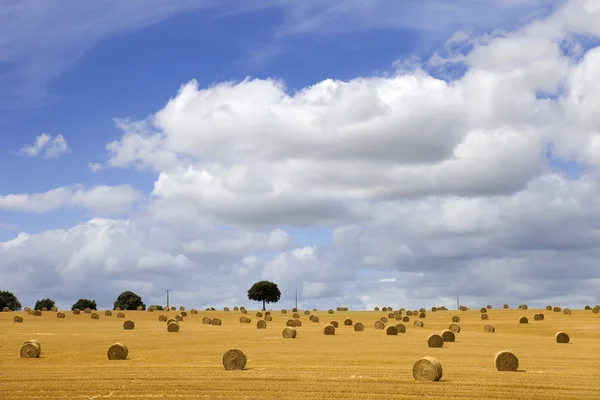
(129, 301)
(9, 300)
(82, 304)
(48, 303)
(264, 291)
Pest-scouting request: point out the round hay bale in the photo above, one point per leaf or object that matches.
(391, 330)
(376, 309)
(95, 316)
(378, 325)
(306, 312)
(243, 311)
(171, 320)
(108, 313)
(384, 309)
(427, 369)
(485, 317)
(587, 308)
(548, 308)
(567, 311)
(179, 318)
(405, 319)
(335, 324)
(418, 324)
(456, 318)
(128, 325)
(294, 310)
(422, 315)
(348, 322)
(330, 311)
(216, 322)
(538, 317)
(384, 320)
(181, 308)
(140, 308)
(562, 337)
(454, 328)
(316, 319)
(173, 327)
(433, 309)
(53, 309)
(448, 336)
(524, 307)
(359, 327)
(234, 360)
(261, 324)
(267, 313)
(87, 310)
(483, 310)
(298, 323)
(596, 310)
(401, 328)
(289, 333)
(391, 315)
(398, 317)
(5, 309)
(162, 318)
(226, 309)
(489, 307)
(184, 314)
(557, 309)
(236, 308)
(120, 315)
(268, 318)
(435, 341)
(523, 320)
(489, 329)
(151, 309)
(506, 361)
(117, 351)
(409, 313)
(18, 319)
(290, 322)
(117, 309)
(311, 317)
(329, 330)
(295, 315)
(44, 309)
(259, 314)
(37, 313)
(60, 315)
(505, 306)
(283, 311)
(242, 320)
(76, 312)
(30, 349)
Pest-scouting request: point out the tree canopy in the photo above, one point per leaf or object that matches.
(264, 291)
(129, 301)
(82, 304)
(48, 303)
(9, 300)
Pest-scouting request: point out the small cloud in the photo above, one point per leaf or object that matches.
(95, 167)
(388, 280)
(8, 227)
(44, 143)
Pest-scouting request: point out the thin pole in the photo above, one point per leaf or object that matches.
(296, 299)
(167, 297)
(457, 303)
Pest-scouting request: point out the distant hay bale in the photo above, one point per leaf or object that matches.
(596, 310)
(427, 369)
(311, 317)
(87, 310)
(242, 320)
(291, 323)
(173, 327)
(44, 309)
(261, 324)
(448, 336)
(226, 309)
(173, 308)
(433, 309)
(215, 322)
(37, 313)
(267, 313)
(587, 308)
(335, 324)
(557, 309)
(329, 330)
(463, 308)
(268, 318)
(409, 313)
(236, 308)
(117, 309)
(483, 310)
(456, 318)
(378, 325)
(505, 306)
(454, 328)
(489, 307)
(234, 360)
(298, 323)
(294, 310)
(538, 317)
(523, 320)
(422, 315)
(524, 307)
(259, 314)
(489, 329)
(128, 325)
(244, 311)
(330, 311)
(53, 309)
(289, 333)
(30, 349)
(151, 309)
(405, 319)
(316, 319)
(548, 308)
(567, 311)
(485, 317)
(76, 312)
(60, 315)
(295, 315)
(26, 309)
(506, 361)
(172, 320)
(384, 320)
(120, 315)
(435, 341)
(6, 309)
(418, 324)
(284, 311)
(117, 351)
(348, 322)
(306, 312)
(391, 330)
(358, 327)
(184, 314)
(391, 315)
(562, 337)
(181, 308)
(162, 318)
(397, 312)
(108, 313)
(95, 316)
(401, 328)
(18, 319)
(376, 308)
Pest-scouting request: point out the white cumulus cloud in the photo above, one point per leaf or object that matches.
(50, 147)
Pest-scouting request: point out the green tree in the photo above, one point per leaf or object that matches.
(7, 299)
(48, 303)
(129, 301)
(264, 291)
(82, 304)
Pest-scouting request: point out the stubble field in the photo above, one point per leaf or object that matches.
(348, 365)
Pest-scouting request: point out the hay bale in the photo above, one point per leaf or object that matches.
(401, 328)
(259, 314)
(384, 320)
(151, 309)
(162, 318)
(128, 325)
(120, 315)
(587, 308)
(76, 312)
(329, 330)
(378, 325)
(454, 328)
(226, 309)
(295, 315)
(405, 319)
(234, 360)
(181, 308)
(216, 322)
(117, 309)
(567, 311)
(483, 310)
(179, 318)
(316, 319)
(456, 318)
(236, 308)
(87, 310)
(261, 324)
(30, 349)
(290, 322)
(489, 329)
(548, 308)
(289, 333)
(6, 309)
(306, 312)
(485, 317)
(427, 369)
(37, 313)
(173, 327)
(422, 315)
(44, 309)
(409, 313)
(538, 317)
(60, 315)
(95, 316)
(489, 307)
(506, 361)
(435, 341)
(184, 314)
(523, 320)
(294, 310)
(335, 324)
(242, 320)
(267, 313)
(243, 311)
(298, 323)
(433, 309)
(117, 351)
(557, 309)
(376, 309)
(398, 317)
(53, 309)
(418, 324)
(311, 317)
(562, 337)
(18, 319)
(391, 330)
(596, 310)
(505, 306)
(193, 311)
(268, 318)
(108, 313)
(283, 311)
(524, 307)
(348, 322)
(448, 336)
(172, 320)
(391, 315)
(330, 311)
(359, 327)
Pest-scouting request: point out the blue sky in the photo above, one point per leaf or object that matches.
(82, 67)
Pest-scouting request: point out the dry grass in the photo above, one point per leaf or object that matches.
(350, 365)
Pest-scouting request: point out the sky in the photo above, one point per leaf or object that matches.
(364, 153)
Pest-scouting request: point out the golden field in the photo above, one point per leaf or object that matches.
(349, 365)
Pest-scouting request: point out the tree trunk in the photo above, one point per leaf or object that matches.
(263, 305)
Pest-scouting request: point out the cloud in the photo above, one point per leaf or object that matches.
(95, 167)
(51, 147)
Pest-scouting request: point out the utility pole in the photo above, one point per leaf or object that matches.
(167, 290)
(296, 299)
(457, 303)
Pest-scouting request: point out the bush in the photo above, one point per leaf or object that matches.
(129, 301)
(7, 299)
(48, 303)
(82, 304)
